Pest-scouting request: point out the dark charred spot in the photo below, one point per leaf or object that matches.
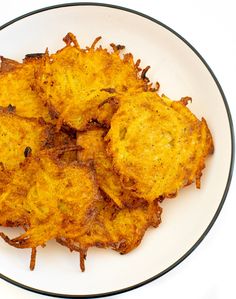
(2, 166)
(117, 47)
(94, 123)
(143, 74)
(11, 108)
(53, 113)
(161, 198)
(68, 130)
(120, 47)
(34, 55)
(27, 151)
(110, 90)
(41, 121)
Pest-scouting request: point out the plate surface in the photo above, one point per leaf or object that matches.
(181, 71)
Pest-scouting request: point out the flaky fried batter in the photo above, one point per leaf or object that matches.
(53, 199)
(16, 81)
(157, 145)
(80, 85)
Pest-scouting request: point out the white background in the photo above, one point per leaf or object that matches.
(210, 26)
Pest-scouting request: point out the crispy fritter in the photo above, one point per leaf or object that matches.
(20, 135)
(157, 145)
(7, 65)
(80, 85)
(93, 145)
(88, 149)
(51, 198)
(119, 229)
(16, 81)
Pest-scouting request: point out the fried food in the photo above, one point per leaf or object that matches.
(157, 145)
(88, 149)
(66, 142)
(93, 148)
(51, 198)
(7, 65)
(16, 81)
(119, 229)
(81, 85)
(19, 136)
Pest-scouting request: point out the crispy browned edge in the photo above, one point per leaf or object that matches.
(8, 65)
(71, 41)
(208, 151)
(53, 155)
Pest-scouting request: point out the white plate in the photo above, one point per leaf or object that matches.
(186, 220)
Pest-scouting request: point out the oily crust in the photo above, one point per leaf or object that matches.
(88, 149)
(17, 81)
(94, 148)
(50, 199)
(80, 85)
(119, 229)
(157, 145)
(19, 133)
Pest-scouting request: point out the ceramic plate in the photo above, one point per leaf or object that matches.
(181, 71)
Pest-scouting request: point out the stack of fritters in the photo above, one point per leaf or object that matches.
(88, 149)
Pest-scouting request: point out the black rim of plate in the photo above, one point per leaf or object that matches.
(231, 163)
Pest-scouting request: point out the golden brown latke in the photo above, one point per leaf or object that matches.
(21, 94)
(94, 148)
(119, 229)
(80, 85)
(50, 199)
(99, 187)
(20, 136)
(157, 145)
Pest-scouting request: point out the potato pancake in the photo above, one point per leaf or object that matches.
(80, 85)
(17, 81)
(88, 149)
(157, 145)
(19, 135)
(119, 229)
(51, 198)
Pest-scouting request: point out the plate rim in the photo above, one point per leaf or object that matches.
(230, 174)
